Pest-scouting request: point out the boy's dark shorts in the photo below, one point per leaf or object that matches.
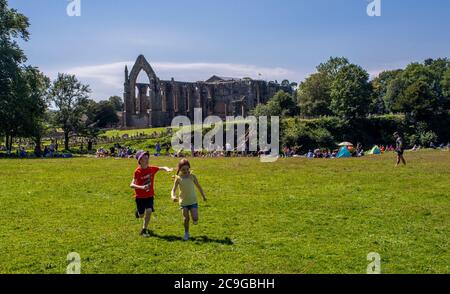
(400, 152)
(143, 204)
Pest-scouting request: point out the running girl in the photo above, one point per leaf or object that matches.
(186, 182)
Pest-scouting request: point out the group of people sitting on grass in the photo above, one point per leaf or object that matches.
(357, 151)
(115, 151)
(39, 151)
(442, 146)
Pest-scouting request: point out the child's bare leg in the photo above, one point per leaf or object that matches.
(194, 214)
(186, 220)
(148, 215)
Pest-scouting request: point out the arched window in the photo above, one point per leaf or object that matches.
(137, 100)
(175, 98)
(142, 78)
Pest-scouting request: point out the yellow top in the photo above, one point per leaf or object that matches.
(188, 195)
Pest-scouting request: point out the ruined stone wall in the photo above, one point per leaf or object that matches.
(155, 104)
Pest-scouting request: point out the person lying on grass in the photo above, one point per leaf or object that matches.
(187, 182)
(143, 184)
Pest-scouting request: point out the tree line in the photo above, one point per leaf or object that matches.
(416, 99)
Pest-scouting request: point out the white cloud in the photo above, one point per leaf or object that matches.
(107, 79)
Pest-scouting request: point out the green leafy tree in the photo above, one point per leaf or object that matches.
(117, 102)
(351, 92)
(106, 114)
(13, 26)
(420, 92)
(101, 114)
(380, 102)
(281, 104)
(33, 102)
(70, 98)
(333, 66)
(445, 84)
(422, 135)
(313, 95)
(418, 102)
(414, 72)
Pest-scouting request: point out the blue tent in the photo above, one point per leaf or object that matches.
(343, 153)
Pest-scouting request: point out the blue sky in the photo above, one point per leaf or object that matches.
(193, 39)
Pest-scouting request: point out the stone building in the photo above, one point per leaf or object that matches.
(156, 103)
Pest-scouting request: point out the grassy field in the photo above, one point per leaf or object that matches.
(292, 216)
(136, 132)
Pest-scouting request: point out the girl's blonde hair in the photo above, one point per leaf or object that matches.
(183, 162)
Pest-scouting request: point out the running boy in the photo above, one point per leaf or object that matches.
(187, 182)
(143, 184)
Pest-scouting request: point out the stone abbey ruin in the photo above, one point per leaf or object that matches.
(156, 103)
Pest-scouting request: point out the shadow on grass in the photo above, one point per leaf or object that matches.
(200, 239)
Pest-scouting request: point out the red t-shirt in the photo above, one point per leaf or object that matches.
(144, 177)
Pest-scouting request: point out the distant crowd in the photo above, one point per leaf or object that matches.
(50, 151)
(357, 151)
(118, 151)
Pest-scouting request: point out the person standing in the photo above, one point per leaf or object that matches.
(400, 149)
(158, 149)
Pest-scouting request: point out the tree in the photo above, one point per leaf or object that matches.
(32, 103)
(281, 104)
(313, 95)
(106, 114)
(420, 92)
(333, 66)
(441, 70)
(13, 25)
(70, 97)
(445, 84)
(438, 66)
(117, 103)
(418, 102)
(101, 114)
(350, 92)
(380, 102)
(422, 135)
(26, 116)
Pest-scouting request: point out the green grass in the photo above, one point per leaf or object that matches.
(134, 132)
(149, 131)
(292, 216)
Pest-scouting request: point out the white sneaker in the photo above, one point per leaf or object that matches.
(186, 236)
